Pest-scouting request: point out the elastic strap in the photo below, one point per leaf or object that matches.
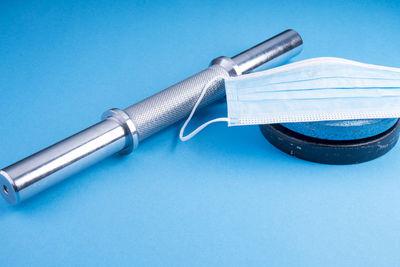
(201, 127)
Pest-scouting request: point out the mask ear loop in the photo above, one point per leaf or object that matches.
(201, 127)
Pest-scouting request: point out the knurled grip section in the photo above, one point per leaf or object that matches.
(176, 102)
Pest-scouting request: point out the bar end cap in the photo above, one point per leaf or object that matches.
(7, 189)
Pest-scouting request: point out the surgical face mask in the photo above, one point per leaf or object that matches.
(318, 89)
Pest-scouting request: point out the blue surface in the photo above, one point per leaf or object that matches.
(227, 197)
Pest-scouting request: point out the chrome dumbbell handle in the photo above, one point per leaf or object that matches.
(122, 130)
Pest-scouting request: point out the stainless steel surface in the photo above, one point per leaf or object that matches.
(47, 167)
(121, 131)
(132, 138)
(272, 51)
(228, 64)
(174, 103)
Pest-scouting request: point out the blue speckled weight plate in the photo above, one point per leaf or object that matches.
(325, 151)
(342, 130)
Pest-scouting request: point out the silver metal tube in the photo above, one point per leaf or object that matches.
(121, 131)
(26, 177)
(272, 51)
(174, 103)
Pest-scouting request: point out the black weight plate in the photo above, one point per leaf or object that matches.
(331, 151)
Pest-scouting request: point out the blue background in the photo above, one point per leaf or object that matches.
(227, 197)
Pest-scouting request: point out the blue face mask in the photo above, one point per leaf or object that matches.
(318, 89)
